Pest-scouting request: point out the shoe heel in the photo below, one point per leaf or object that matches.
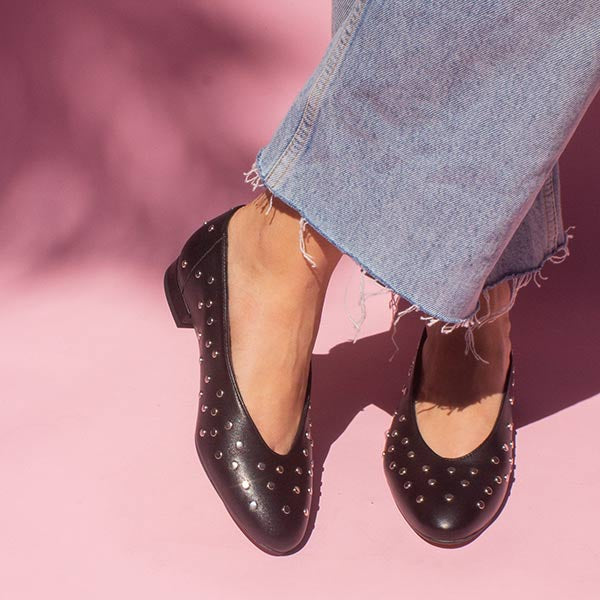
(178, 308)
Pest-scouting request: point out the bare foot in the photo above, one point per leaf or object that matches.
(275, 303)
(459, 397)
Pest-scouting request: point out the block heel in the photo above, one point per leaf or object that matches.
(180, 313)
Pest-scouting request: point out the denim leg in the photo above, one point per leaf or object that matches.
(425, 144)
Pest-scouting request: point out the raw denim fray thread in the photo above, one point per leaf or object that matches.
(253, 178)
(471, 323)
(474, 322)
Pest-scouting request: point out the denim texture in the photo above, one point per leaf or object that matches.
(425, 143)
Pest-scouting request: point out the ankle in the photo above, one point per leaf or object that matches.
(269, 240)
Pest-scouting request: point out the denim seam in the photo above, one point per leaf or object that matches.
(298, 139)
(550, 208)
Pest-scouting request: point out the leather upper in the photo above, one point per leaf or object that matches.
(448, 500)
(267, 494)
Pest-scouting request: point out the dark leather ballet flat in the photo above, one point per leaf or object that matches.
(448, 501)
(267, 494)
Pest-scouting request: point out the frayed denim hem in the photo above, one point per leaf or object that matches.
(470, 323)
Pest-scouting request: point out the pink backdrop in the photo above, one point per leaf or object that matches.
(124, 124)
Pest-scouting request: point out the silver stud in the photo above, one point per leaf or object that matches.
(392, 466)
(204, 408)
(387, 433)
(228, 425)
(279, 469)
(451, 470)
(253, 505)
(210, 280)
(305, 451)
(206, 378)
(220, 393)
(305, 511)
(512, 401)
(213, 432)
(448, 497)
(309, 490)
(431, 481)
(211, 227)
(198, 274)
(218, 454)
(209, 303)
(498, 479)
(505, 447)
(402, 418)
(509, 426)
(296, 489)
(407, 484)
(488, 490)
(215, 353)
(404, 441)
(270, 485)
(395, 433)
(402, 470)
(425, 468)
(208, 344)
(473, 470)
(465, 483)
(214, 412)
(199, 334)
(506, 477)
(391, 448)
(286, 509)
(495, 460)
(299, 470)
(261, 466)
(184, 264)
(480, 504)
(239, 444)
(200, 305)
(210, 321)
(201, 360)
(419, 499)
(234, 464)
(310, 471)
(245, 484)
(410, 454)
(202, 432)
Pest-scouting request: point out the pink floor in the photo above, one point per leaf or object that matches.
(127, 125)
(103, 496)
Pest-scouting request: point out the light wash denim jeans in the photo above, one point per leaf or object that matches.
(425, 144)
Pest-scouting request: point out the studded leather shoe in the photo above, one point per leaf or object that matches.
(448, 501)
(267, 494)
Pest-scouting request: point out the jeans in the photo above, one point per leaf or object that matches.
(425, 143)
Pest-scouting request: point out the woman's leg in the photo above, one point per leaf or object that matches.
(459, 397)
(275, 300)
